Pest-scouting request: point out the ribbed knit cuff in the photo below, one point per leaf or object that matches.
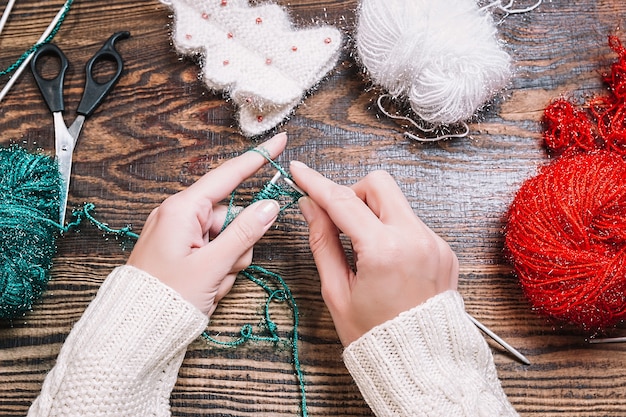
(428, 361)
(123, 355)
(154, 321)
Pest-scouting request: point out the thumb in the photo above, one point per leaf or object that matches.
(230, 246)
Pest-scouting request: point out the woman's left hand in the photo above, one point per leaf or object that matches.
(181, 243)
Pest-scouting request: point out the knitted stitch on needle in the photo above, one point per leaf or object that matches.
(255, 55)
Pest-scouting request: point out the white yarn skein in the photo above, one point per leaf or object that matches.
(443, 55)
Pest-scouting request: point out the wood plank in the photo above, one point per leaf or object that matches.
(160, 130)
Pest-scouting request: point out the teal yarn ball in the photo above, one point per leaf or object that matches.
(30, 186)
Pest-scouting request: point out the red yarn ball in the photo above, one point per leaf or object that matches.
(566, 238)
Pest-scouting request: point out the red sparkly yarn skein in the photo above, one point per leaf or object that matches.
(566, 228)
(566, 236)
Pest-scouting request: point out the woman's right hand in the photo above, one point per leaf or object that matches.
(399, 261)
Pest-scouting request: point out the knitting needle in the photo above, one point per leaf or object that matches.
(5, 14)
(498, 339)
(275, 178)
(289, 182)
(294, 186)
(22, 67)
(608, 340)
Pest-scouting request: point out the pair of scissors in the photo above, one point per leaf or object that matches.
(93, 93)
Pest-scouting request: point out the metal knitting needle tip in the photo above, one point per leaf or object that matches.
(276, 177)
(498, 339)
(608, 340)
(294, 186)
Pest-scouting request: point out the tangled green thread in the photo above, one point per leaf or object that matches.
(30, 186)
(277, 291)
(273, 284)
(85, 214)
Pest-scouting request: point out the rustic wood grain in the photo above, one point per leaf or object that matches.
(160, 129)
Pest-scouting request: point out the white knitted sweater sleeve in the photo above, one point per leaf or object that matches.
(122, 357)
(429, 361)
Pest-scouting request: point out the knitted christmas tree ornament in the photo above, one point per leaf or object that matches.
(254, 54)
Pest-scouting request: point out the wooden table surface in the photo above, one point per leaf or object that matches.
(160, 129)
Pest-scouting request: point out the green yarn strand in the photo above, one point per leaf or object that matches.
(277, 291)
(284, 294)
(273, 284)
(85, 214)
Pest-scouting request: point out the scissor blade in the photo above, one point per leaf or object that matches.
(64, 145)
(76, 127)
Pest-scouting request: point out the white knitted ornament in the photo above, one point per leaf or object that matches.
(443, 55)
(255, 55)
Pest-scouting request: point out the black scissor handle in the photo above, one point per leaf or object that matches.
(51, 88)
(94, 91)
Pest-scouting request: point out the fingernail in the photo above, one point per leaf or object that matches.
(267, 211)
(306, 207)
(298, 164)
